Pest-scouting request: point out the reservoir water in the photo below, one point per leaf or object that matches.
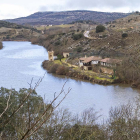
(21, 61)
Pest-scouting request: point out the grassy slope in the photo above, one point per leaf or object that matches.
(12, 31)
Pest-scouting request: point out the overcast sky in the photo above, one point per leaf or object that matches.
(19, 8)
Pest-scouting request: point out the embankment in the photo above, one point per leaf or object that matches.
(1, 45)
(64, 69)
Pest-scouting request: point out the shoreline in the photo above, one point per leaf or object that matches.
(79, 75)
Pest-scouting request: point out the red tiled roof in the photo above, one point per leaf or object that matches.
(109, 60)
(89, 59)
(67, 52)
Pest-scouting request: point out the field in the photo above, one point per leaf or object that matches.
(43, 27)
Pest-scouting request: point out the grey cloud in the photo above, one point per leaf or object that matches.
(43, 8)
(53, 8)
(90, 4)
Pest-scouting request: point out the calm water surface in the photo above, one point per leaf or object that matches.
(21, 61)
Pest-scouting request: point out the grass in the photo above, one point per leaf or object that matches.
(63, 60)
(76, 68)
(89, 73)
(54, 26)
(58, 62)
(103, 79)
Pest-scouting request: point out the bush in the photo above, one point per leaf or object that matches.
(77, 36)
(53, 68)
(50, 36)
(79, 49)
(34, 40)
(1, 45)
(8, 37)
(100, 28)
(124, 35)
(57, 43)
(59, 56)
(61, 70)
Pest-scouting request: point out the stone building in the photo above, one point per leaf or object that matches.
(67, 54)
(51, 55)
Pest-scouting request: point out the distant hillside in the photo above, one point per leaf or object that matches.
(12, 31)
(65, 17)
(15, 26)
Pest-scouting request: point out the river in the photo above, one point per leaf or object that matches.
(21, 61)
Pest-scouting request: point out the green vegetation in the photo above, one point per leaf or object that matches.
(59, 56)
(16, 26)
(25, 115)
(77, 36)
(63, 68)
(79, 49)
(12, 31)
(1, 45)
(124, 35)
(100, 28)
(57, 43)
(54, 26)
(84, 21)
(129, 69)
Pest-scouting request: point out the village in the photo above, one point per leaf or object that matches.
(92, 63)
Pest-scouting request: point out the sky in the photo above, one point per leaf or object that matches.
(10, 9)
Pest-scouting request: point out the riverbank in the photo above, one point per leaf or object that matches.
(25, 61)
(1, 45)
(62, 68)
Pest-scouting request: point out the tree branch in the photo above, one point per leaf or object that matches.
(6, 106)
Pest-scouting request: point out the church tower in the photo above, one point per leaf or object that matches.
(51, 55)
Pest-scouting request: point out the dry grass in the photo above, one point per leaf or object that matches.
(54, 26)
(3, 29)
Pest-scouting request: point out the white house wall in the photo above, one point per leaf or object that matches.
(94, 62)
(80, 64)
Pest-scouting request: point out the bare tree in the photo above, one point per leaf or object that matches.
(33, 119)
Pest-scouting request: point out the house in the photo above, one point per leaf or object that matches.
(88, 62)
(109, 62)
(67, 54)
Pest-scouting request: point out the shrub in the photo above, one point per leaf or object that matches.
(107, 23)
(57, 43)
(61, 70)
(1, 45)
(50, 36)
(79, 49)
(34, 40)
(100, 28)
(124, 35)
(8, 37)
(77, 36)
(59, 56)
(53, 68)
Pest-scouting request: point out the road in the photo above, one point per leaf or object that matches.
(86, 34)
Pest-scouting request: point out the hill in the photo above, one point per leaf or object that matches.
(12, 31)
(120, 40)
(65, 17)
